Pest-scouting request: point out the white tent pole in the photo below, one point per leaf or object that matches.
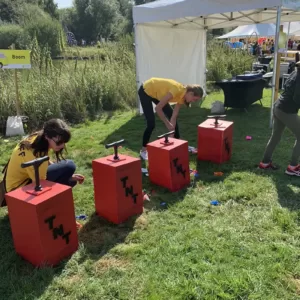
(205, 59)
(274, 78)
(137, 75)
(287, 39)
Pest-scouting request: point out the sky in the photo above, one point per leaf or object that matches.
(64, 3)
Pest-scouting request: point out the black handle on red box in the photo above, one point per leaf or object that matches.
(36, 164)
(217, 117)
(116, 145)
(166, 136)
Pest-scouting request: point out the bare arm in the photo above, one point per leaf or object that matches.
(159, 110)
(175, 114)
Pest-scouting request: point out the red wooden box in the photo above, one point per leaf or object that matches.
(215, 141)
(169, 163)
(43, 223)
(118, 187)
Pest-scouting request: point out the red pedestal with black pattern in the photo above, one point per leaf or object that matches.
(215, 141)
(169, 163)
(118, 190)
(43, 223)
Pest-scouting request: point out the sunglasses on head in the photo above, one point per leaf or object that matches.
(58, 143)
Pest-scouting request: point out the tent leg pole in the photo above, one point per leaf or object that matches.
(136, 68)
(275, 77)
(205, 74)
(287, 39)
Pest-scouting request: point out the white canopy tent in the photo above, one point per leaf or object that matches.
(170, 35)
(251, 30)
(265, 30)
(296, 34)
(212, 14)
(291, 27)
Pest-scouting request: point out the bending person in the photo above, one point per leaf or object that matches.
(161, 92)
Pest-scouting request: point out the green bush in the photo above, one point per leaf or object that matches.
(223, 62)
(48, 33)
(33, 23)
(38, 24)
(13, 34)
(27, 13)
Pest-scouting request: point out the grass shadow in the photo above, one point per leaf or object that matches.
(160, 198)
(18, 278)
(247, 154)
(98, 236)
(189, 119)
(130, 132)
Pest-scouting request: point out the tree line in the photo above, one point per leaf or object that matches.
(23, 21)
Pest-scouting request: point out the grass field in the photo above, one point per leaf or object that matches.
(245, 248)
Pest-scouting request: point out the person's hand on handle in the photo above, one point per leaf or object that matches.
(170, 128)
(79, 178)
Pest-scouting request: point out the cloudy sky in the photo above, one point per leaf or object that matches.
(64, 3)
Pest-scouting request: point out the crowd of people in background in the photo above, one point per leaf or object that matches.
(293, 45)
(264, 46)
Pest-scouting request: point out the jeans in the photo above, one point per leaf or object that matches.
(62, 172)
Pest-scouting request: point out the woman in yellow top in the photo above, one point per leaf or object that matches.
(264, 47)
(161, 92)
(54, 135)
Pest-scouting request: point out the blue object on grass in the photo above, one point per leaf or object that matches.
(81, 217)
(214, 202)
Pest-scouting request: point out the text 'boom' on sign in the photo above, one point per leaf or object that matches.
(15, 59)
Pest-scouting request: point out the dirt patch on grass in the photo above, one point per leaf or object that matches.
(72, 280)
(141, 222)
(107, 263)
(296, 282)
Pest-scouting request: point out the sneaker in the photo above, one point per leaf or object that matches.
(144, 154)
(293, 171)
(268, 166)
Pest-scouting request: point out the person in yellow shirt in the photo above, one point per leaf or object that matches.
(162, 92)
(264, 47)
(54, 136)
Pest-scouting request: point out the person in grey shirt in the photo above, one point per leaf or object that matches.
(286, 115)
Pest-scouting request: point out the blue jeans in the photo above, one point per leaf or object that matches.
(62, 172)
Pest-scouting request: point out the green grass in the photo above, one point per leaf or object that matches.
(246, 248)
(81, 51)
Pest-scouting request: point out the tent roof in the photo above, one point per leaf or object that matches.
(252, 29)
(211, 14)
(296, 33)
(259, 30)
(294, 26)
